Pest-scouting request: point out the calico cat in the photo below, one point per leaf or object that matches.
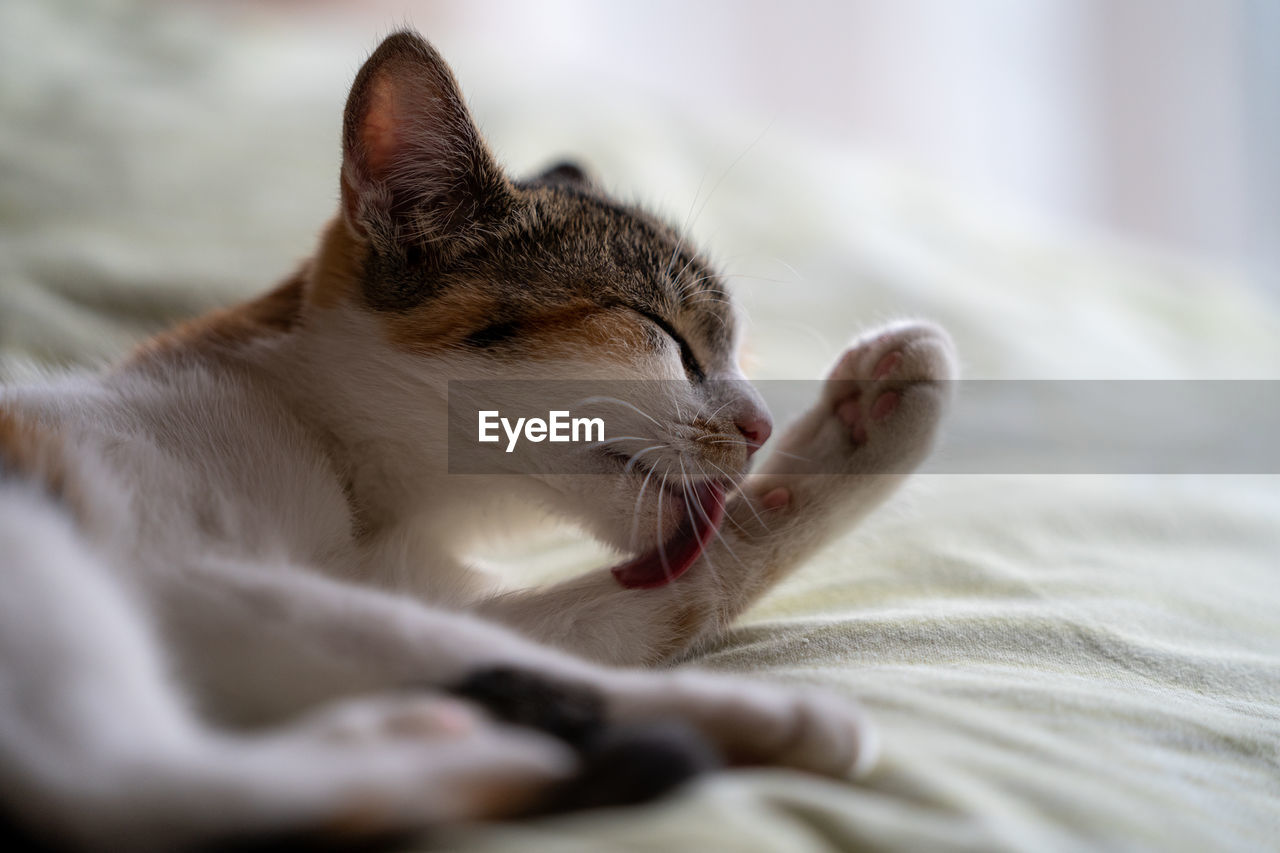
(234, 597)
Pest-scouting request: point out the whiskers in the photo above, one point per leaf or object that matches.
(751, 506)
(695, 211)
(596, 400)
(635, 457)
(635, 514)
(690, 504)
(662, 540)
(675, 462)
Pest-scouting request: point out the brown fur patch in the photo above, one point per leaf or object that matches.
(275, 312)
(36, 453)
(338, 270)
(580, 328)
(470, 304)
(442, 324)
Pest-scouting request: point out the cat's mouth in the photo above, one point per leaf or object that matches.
(703, 510)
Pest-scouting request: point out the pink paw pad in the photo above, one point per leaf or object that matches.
(885, 405)
(886, 364)
(850, 414)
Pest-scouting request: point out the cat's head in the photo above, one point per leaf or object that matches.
(471, 273)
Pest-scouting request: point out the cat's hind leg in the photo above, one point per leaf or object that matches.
(98, 750)
(293, 639)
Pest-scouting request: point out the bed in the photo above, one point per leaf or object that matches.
(1055, 662)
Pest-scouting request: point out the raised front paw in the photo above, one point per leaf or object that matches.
(877, 414)
(887, 394)
(878, 410)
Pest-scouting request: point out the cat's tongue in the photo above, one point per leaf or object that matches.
(663, 565)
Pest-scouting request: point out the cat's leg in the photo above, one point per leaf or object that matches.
(98, 750)
(874, 422)
(264, 642)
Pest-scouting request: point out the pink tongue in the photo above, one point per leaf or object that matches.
(661, 566)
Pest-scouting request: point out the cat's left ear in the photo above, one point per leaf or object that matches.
(415, 172)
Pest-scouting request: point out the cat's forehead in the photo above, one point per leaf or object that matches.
(571, 243)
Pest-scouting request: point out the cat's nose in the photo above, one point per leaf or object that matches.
(756, 425)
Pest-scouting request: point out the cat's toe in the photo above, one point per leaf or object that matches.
(907, 351)
(808, 730)
(755, 724)
(377, 718)
(831, 736)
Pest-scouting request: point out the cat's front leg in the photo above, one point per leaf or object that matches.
(874, 422)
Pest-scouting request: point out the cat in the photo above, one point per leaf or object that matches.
(235, 603)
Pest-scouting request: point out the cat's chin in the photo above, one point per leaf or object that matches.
(672, 558)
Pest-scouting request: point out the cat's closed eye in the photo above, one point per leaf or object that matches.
(687, 356)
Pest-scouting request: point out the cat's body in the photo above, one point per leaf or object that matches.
(235, 600)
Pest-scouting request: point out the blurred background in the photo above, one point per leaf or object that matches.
(1076, 188)
(1155, 120)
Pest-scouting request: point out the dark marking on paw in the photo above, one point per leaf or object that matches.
(632, 765)
(572, 712)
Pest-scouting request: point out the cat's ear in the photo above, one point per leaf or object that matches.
(415, 172)
(566, 172)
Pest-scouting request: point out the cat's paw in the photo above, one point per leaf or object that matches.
(878, 413)
(757, 724)
(888, 387)
(747, 722)
(397, 762)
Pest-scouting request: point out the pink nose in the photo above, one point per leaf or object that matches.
(756, 426)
